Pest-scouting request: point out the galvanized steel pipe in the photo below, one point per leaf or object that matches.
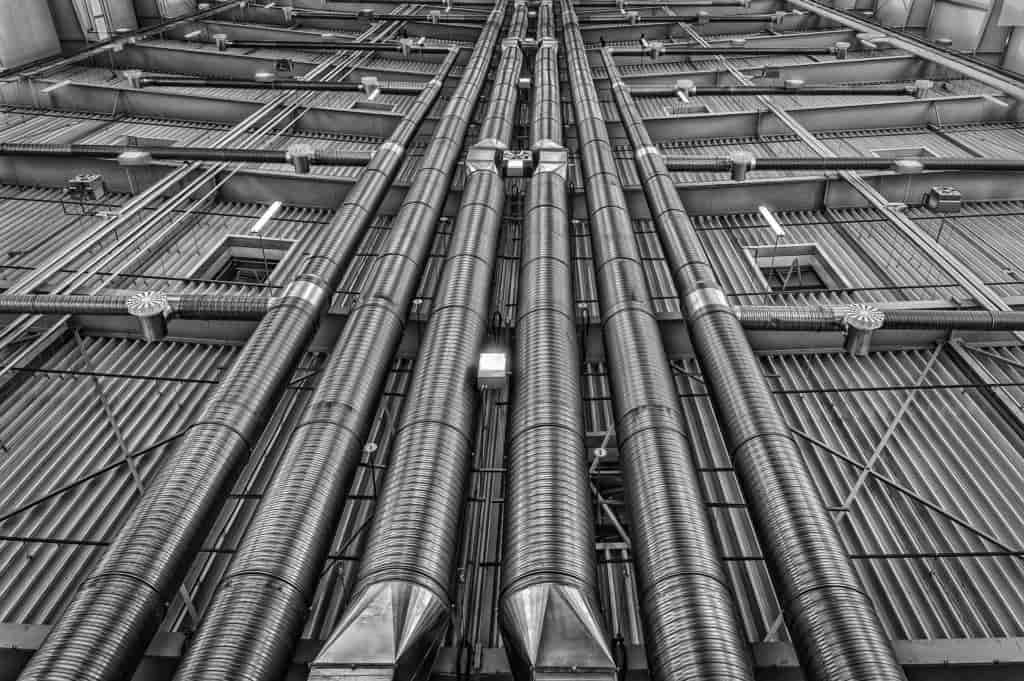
(316, 156)
(335, 45)
(276, 84)
(184, 306)
(548, 562)
(691, 628)
(831, 318)
(401, 601)
(831, 619)
(104, 631)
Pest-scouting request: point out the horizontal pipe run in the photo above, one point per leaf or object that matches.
(694, 51)
(316, 157)
(826, 318)
(282, 84)
(906, 165)
(661, 19)
(739, 91)
(369, 15)
(185, 306)
(331, 46)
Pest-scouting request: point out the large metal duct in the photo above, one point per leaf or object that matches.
(691, 626)
(103, 633)
(837, 318)
(831, 620)
(315, 156)
(182, 306)
(249, 631)
(399, 610)
(550, 617)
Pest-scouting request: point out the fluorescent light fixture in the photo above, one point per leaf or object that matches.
(267, 216)
(772, 222)
(55, 86)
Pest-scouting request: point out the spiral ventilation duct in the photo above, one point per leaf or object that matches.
(549, 613)
(104, 631)
(786, 318)
(185, 306)
(399, 610)
(317, 157)
(250, 628)
(833, 624)
(690, 624)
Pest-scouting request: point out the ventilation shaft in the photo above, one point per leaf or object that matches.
(104, 631)
(399, 610)
(690, 624)
(831, 620)
(550, 618)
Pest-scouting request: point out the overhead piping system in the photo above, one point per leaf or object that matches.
(741, 163)
(182, 306)
(987, 74)
(104, 631)
(548, 574)
(271, 82)
(656, 49)
(837, 318)
(330, 45)
(41, 68)
(691, 628)
(280, 557)
(402, 598)
(302, 156)
(831, 619)
(687, 88)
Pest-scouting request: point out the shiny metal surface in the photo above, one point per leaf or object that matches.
(689, 616)
(549, 609)
(832, 622)
(402, 595)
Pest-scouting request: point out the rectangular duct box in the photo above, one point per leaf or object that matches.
(492, 371)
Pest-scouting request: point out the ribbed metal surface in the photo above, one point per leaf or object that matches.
(549, 521)
(106, 627)
(689, 616)
(549, 586)
(245, 635)
(832, 622)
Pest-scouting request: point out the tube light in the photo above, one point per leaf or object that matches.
(772, 222)
(268, 215)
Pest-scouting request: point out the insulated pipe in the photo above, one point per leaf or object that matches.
(402, 597)
(252, 624)
(277, 84)
(548, 570)
(750, 162)
(317, 157)
(831, 620)
(827, 318)
(661, 19)
(369, 15)
(103, 633)
(335, 45)
(183, 306)
(687, 50)
(739, 91)
(691, 628)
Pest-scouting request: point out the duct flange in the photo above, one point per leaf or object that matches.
(860, 322)
(151, 309)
